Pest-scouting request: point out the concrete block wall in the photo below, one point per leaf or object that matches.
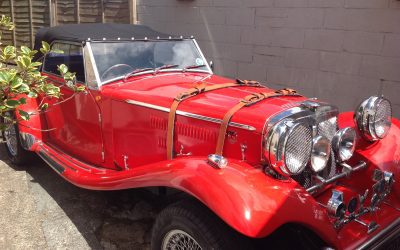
(341, 51)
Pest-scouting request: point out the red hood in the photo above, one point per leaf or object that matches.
(161, 89)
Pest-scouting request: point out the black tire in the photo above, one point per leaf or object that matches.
(198, 222)
(18, 155)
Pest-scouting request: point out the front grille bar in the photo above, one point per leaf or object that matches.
(347, 170)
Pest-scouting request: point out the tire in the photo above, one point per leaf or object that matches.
(191, 221)
(16, 153)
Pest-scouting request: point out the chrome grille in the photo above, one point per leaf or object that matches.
(323, 118)
(297, 154)
(328, 128)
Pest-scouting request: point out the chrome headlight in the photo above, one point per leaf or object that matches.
(321, 152)
(344, 143)
(288, 147)
(374, 118)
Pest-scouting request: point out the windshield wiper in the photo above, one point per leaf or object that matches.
(167, 66)
(136, 71)
(193, 67)
(155, 70)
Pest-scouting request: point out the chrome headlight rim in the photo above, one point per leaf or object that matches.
(340, 144)
(320, 154)
(276, 146)
(366, 118)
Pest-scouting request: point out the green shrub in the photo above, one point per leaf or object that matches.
(20, 79)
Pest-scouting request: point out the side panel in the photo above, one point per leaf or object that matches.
(74, 124)
(140, 134)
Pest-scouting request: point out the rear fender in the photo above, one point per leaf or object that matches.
(31, 131)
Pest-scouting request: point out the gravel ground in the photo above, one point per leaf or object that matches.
(40, 210)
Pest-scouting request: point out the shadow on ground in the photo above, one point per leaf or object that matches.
(77, 218)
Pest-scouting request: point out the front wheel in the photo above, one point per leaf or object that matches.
(189, 225)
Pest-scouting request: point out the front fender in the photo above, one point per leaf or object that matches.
(247, 199)
(383, 154)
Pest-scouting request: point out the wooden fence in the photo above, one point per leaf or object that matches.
(31, 15)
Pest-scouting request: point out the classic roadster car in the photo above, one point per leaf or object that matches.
(251, 166)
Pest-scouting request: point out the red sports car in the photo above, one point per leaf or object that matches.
(252, 166)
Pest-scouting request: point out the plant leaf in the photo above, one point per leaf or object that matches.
(24, 115)
(12, 103)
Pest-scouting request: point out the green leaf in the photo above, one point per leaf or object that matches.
(12, 103)
(32, 95)
(26, 60)
(36, 64)
(8, 50)
(16, 83)
(80, 88)
(24, 115)
(63, 69)
(25, 50)
(7, 76)
(45, 47)
(22, 100)
(44, 106)
(3, 76)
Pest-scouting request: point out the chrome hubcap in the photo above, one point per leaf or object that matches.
(10, 136)
(179, 240)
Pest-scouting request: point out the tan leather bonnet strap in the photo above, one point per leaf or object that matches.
(245, 102)
(201, 88)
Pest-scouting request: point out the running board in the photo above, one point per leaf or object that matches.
(51, 162)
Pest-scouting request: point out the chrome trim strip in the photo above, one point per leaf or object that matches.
(96, 72)
(191, 115)
(51, 162)
(151, 73)
(387, 234)
(203, 57)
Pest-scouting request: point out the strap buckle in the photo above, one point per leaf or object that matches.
(287, 91)
(250, 83)
(192, 92)
(253, 98)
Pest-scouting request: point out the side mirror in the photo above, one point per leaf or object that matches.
(211, 63)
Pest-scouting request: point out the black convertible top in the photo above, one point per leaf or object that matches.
(95, 31)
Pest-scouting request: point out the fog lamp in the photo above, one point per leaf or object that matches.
(344, 144)
(320, 153)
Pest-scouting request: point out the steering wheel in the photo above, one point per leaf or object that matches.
(114, 67)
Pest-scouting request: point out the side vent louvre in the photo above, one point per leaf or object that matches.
(183, 129)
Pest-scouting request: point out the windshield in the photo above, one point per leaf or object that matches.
(120, 59)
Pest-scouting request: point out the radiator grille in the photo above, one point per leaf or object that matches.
(327, 128)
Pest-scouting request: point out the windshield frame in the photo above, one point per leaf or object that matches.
(100, 83)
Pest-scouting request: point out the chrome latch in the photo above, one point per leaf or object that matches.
(336, 206)
(383, 185)
(181, 152)
(126, 162)
(243, 148)
(217, 161)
